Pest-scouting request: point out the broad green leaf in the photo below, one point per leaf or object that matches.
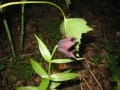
(27, 88)
(43, 49)
(54, 85)
(63, 76)
(61, 61)
(68, 2)
(44, 84)
(38, 69)
(74, 27)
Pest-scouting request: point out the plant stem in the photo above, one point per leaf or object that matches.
(53, 52)
(49, 68)
(22, 28)
(9, 37)
(31, 2)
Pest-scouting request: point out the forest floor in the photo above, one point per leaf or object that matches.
(102, 16)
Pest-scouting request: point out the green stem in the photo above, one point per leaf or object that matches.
(49, 68)
(9, 37)
(53, 52)
(22, 28)
(31, 2)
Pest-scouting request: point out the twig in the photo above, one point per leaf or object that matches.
(85, 82)
(81, 87)
(94, 76)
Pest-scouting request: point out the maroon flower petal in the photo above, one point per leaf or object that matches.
(65, 44)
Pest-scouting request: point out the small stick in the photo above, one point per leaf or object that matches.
(94, 76)
(85, 82)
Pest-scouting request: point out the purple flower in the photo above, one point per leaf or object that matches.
(67, 46)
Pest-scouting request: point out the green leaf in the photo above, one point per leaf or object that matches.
(96, 59)
(108, 45)
(67, 71)
(74, 27)
(115, 75)
(118, 83)
(80, 59)
(68, 2)
(2, 66)
(117, 87)
(54, 85)
(61, 61)
(54, 50)
(44, 84)
(38, 69)
(27, 88)
(43, 49)
(23, 0)
(63, 76)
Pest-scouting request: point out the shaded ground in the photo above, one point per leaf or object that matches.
(102, 16)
